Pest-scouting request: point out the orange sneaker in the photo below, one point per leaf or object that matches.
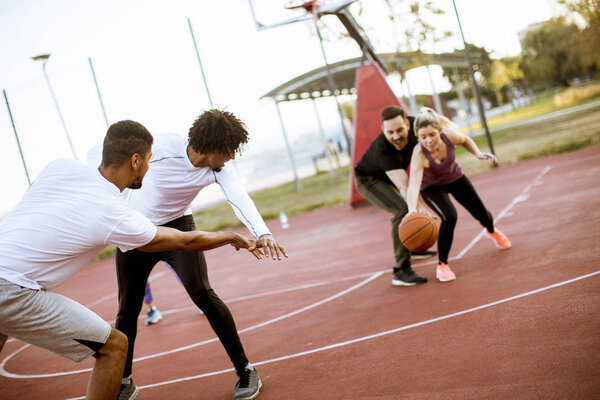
(500, 240)
(443, 273)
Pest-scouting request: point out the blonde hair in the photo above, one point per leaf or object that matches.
(428, 117)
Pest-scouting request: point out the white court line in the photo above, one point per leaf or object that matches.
(512, 174)
(379, 334)
(114, 294)
(264, 294)
(271, 321)
(243, 298)
(523, 196)
(7, 374)
(101, 300)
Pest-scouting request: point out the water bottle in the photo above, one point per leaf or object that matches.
(284, 220)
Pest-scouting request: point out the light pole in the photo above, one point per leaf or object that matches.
(98, 90)
(16, 137)
(289, 149)
(475, 86)
(200, 62)
(44, 58)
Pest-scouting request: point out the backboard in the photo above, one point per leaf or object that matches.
(269, 14)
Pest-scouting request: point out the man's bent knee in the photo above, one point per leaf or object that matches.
(115, 345)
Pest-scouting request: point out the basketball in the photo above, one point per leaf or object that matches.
(418, 231)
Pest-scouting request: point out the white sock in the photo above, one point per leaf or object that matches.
(249, 366)
(126, 381)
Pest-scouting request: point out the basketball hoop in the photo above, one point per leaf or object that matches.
(308, 5)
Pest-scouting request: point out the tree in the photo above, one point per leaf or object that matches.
(348, 110)
(505, 74)
(589, 11)
(482, 68)
(552, 52)
(421, 32)
(499, 79)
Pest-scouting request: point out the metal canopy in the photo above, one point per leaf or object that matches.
(314, 84)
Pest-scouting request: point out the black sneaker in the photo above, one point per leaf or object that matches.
(248, 385)
(422, 254)
(128, 391)
(407, 277)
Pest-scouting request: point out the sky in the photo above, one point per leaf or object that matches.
(147, 69)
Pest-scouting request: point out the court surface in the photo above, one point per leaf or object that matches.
(327, 323)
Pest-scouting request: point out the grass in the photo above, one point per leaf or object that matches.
(536, 139)
(318, 191)
(547, 102)
(577, 93)
(531, 140)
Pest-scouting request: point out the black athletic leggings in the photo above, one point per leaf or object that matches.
(463, 191)
(133, 269)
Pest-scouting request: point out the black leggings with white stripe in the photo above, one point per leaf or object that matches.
(133, 269)
(437, 197)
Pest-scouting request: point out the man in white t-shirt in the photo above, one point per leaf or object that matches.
(68, 215)
(179, 168)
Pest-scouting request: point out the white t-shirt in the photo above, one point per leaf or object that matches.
(68, 215)
(172, 183)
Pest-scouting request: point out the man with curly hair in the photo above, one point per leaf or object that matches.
(179, 169)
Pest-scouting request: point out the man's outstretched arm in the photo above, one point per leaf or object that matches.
(173, 239)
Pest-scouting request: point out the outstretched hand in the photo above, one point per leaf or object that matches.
(242, 242)
(487, 156)
(270, 247)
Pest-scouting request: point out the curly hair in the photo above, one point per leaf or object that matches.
(124, 139)
(218, 131)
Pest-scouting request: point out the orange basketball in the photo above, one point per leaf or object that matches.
(417, 231)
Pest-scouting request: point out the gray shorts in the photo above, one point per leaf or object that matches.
(51, 321)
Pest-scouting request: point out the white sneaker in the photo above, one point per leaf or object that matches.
(154, 316)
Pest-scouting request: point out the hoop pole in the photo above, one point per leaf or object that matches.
(332, 84)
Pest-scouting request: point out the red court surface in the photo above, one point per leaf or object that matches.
(327, 323)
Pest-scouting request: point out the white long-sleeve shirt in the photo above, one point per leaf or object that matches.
(173, 182)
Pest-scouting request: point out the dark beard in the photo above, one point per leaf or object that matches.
(135, 184)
